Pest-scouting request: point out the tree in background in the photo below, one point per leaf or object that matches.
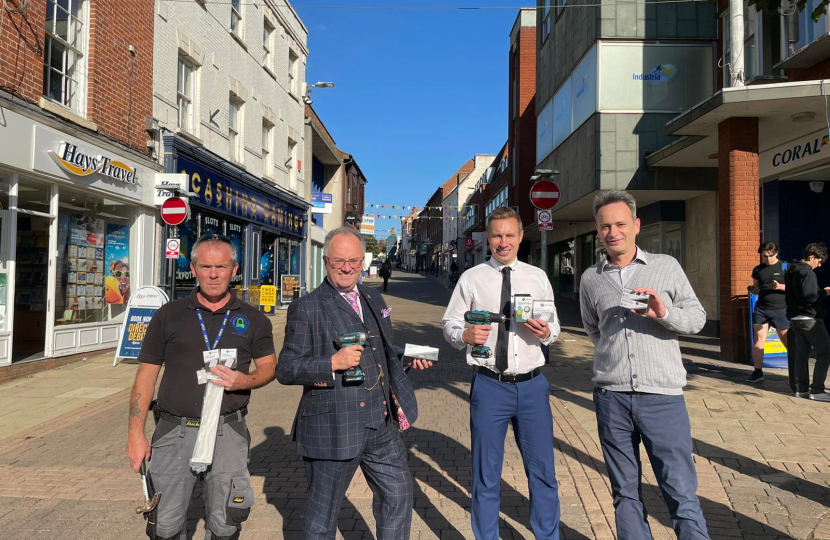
(372, 244)
(382, 246)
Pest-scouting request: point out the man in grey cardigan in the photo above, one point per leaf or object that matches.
(638, 373)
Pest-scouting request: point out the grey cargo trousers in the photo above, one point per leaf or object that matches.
(229, 495)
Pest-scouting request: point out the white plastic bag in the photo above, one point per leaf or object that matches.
(209, 424)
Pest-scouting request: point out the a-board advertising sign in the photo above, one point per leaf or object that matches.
(288, 284)
(142, 306)
(268, 299)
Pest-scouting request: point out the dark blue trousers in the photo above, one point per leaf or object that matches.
(526, 405)
(383, 462)
(661, 423)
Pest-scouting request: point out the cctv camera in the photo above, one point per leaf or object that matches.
(817, 187)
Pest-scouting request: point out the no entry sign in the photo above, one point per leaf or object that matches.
(544, 195)
(174, 211)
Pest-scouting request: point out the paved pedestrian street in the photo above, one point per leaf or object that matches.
(763, 457)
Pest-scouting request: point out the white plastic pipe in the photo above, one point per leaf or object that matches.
(736, 42)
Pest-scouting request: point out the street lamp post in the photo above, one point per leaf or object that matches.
(544, 174)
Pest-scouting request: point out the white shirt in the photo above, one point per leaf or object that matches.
(479, 288)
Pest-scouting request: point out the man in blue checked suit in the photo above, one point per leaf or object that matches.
(343, 424)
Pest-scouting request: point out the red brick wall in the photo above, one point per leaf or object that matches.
(120, 84)
(523, 135)
(739, 225)
(21, 51)
(119, 87)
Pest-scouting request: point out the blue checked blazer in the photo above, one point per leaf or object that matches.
(329, 424)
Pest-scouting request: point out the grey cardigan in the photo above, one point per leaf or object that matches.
(633, 352)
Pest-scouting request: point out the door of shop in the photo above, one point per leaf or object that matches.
(32, 288)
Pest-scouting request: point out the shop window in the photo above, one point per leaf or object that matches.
(560, 7)
(5, 252)
(64, 55)
(665, 237)
(185, 82)
(93, 282)
(235, 129)
(34, 196)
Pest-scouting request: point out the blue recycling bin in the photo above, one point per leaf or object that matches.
(775, 354)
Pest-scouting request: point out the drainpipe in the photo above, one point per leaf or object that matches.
(736, 42)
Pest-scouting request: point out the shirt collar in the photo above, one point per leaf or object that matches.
(640, 256)
(341, 293)
(194, 303)
(499, 266)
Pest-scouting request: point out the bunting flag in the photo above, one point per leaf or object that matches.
(417, 208)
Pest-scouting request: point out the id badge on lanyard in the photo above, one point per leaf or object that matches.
(213, 356)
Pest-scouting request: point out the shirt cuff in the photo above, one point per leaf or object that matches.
(664, 317)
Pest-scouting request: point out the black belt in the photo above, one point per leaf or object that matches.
(196, 422)
(501, 377)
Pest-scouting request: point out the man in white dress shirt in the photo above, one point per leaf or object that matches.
(507, 387)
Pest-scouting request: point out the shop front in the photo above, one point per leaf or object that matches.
(266, 225)
(76, 238)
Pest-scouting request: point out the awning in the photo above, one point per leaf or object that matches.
(785, 112)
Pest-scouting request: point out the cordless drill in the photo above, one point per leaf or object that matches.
(481, 318)
(353, 375)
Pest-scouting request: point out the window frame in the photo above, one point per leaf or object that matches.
(78, 26)
(267, 149)
(237, 18)
(182, 67)
(292, 160)
(236, 148)
(545, 19)
(268, 31)
(293, 72)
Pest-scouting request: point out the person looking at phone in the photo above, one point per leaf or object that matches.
(771, 307)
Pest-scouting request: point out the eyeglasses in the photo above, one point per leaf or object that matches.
(215, 236)
(121, 273)
(337, 264)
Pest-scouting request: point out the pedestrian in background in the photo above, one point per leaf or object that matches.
(771, 306)
(386, 273)
(507, 388)
(638, 372)
(805, 308)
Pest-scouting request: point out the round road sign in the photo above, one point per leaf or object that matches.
(174, 211)
(544, 194)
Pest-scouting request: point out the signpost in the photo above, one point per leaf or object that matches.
(268, 299)
(544, 195)
(174, 212)
(142, 306)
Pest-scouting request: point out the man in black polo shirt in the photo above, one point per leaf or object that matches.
(771, 307)
(178, 336)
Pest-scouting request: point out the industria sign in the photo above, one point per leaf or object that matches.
(75, 161)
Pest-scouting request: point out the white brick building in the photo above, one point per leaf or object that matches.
(228, 99)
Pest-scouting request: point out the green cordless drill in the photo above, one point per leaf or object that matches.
(481, 318)
(353, 375)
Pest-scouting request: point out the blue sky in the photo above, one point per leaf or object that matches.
(417, 93)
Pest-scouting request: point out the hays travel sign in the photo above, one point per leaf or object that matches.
(796, 154)
(78, 162)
